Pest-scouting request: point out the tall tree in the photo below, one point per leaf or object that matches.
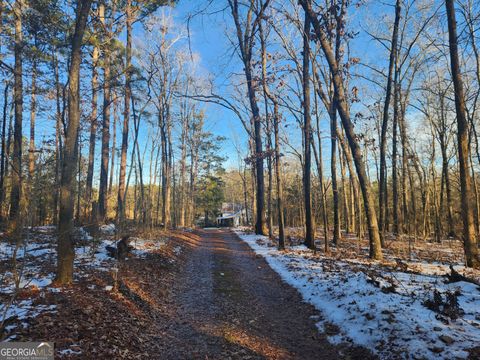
(102, 191)
(65, 250)
(126, 113)
(3, 158)
(16, 190)
(93, 125)
(469, 238)
(382, 198)
(246, 38)
(307, 134)
(344, 111)
(276, 146)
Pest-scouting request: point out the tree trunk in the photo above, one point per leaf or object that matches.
(65, 250)
(281, 222)
(270, 179)
(333, 167)
(126, 115)
(246, 45)
(33, 114)
(79, 183)
(16, 189)
(93, 128)
(102, 191)
(403, 137)
(307, 128)
(3, 159)
(114, 144)
(382, 199)
(396, 207)
(446, 175)
(58, 140)
(346, 216)
(342, 106)
(166, 218)
(356, 207)
(183, 167)
(470, 243)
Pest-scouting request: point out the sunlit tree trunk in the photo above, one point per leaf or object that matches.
(343, 109)
(470, 243)
(126, 114)
(382, 199)
(307, 134)
(396, 205)
(114, 144)
(65, 249)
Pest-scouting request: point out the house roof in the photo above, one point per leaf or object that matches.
(231, 216)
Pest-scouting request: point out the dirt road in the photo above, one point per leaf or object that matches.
(232, 305)
(205, 295)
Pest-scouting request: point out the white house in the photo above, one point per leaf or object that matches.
(233, 215)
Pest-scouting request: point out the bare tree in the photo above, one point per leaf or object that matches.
(343, 110)
(246, 37)
(470, 243)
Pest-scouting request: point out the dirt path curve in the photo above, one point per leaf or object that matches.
(232, 305)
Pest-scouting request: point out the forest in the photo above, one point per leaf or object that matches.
(240, 179)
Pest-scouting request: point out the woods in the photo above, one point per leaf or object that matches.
(273, 59)
(334, 130)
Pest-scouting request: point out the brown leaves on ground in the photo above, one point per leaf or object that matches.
(91, 322)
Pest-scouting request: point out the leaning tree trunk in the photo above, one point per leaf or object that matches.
(343, 110)
(65, 250)
(470, 243)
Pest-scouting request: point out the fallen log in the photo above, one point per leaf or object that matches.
(455, 276)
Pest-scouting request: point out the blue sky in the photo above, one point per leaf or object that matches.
(209, 38)
(209, 34)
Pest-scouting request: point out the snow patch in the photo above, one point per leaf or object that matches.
(355, 296)
(141, 247)
(107, 229)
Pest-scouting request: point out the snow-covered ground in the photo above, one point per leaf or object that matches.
(36, 257)
(378, 307)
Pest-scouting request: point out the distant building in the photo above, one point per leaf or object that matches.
(233, 215)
